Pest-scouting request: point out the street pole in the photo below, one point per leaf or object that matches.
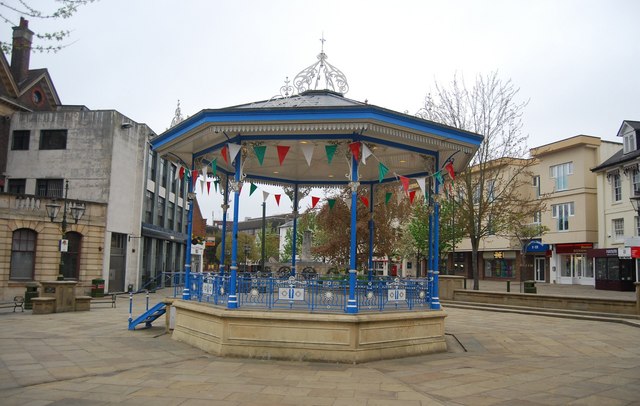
(64, 230)
(264, 241)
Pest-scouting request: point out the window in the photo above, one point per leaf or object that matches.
(20, 140)
(560, 173)
(616, 186)
(537, 217)
(17, 186)
(635, 183)
(163, 173)
(152, 165)
(161, 211)
(49, 187)
(179, 220)
(172, 177)
(23, 254)
(617, 227)
(629, 142)
(53, 139)
(148, 207)
(536, 185)
(637, 222)
(476, 194)
(170, 215)
(491, 196)
(562, 212)
(71, 259)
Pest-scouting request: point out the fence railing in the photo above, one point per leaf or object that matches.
(312, 295)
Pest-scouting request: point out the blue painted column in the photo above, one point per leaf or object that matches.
(225, 208)
(294, 236)
(371, 230)
(352, 304)
(233, 297)
(429, 271)
(186, 291)
(435, 298)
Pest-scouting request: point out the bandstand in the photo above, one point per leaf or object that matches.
(303, 138)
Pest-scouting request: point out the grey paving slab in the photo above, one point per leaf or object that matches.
(90, 358)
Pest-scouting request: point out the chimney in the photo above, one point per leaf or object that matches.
(21, 50)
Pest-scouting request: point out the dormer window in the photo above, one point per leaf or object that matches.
(629, 142)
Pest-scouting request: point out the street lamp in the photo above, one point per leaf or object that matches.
(635, 202)
(76, 211)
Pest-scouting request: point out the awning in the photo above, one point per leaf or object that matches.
(536, 247)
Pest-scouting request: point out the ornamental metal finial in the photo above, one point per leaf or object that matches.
(311, 77)
(177, 118)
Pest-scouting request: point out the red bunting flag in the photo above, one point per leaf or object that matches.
(225, 151)
(355, 150)
(364, 200)
(314, 201)
(412, 196)
(282, 152)
(277, 199)
(405, 182)
(181, 172)
(194, 176)
(208, 187)
(449, 168)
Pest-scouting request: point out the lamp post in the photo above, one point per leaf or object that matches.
(76, 211)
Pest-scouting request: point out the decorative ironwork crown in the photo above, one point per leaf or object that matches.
(321, 73)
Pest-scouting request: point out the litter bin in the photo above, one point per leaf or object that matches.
(530, 287)
(31, 292)
(97, 287)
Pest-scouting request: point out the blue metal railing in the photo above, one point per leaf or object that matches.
(312, 295)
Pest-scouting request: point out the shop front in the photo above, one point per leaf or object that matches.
(537, 255)
(500, 264)
(615, 267)
(574, 265)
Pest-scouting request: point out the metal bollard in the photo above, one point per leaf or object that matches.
(130, 306)
(508, 286)
(465, 283)
(147, 299)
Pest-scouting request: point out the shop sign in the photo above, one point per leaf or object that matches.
(635, 252)
(624, 252)
(537, 246)
(579, 248)
(498, 255)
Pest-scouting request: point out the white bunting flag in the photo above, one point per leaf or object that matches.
(366, 152)
(233, 150)
(204, 172)
(265, 196)
(201, 186)
(307, 150)
(421, 183)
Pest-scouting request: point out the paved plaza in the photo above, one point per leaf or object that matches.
(90, 358)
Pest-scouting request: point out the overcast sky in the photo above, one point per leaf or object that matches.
(577, 62)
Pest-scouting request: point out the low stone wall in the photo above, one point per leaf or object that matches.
(308, 336)
(447, 284)
(587, 304)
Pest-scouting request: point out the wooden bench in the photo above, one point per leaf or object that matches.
(17, 302)
(107, 299)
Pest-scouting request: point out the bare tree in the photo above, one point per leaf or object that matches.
(493, 187)
(12, 10)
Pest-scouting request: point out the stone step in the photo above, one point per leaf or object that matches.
(628, 319)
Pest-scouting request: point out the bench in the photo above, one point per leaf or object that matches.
(107, 299)
(17, 302)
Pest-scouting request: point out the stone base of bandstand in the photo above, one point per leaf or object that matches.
(300, 336)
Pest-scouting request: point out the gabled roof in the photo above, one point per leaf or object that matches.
(7, 77)
(635, 126)
(33, 77)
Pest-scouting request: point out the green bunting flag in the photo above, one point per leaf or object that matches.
(259, 151)
(215, 184)
(438, 176)
(331, 150)
(382, 171)
(332, 202)
(214, 167)
(253, 189)
(387, 197)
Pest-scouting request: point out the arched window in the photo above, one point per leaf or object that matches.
(23, 254)
(71, 258)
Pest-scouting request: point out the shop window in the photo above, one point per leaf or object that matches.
(499, 268)
(23, 254)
